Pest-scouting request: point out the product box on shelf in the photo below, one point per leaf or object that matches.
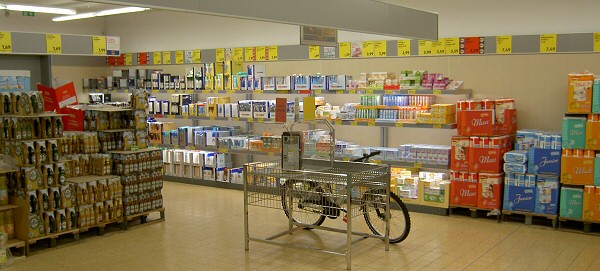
(464, 188)
(317, 82)
(486, 122)
(596, 97)
(459, 161)
(592, 132)
(283, 83)
(597, 170)
(486, 160)
(520, 195)
(434, 193)
(489, 194)
(578, 170)
(337, 82)
(580, 93)
(301, 82)
(591, 201)
(544, 161)
(574, 132)
(547, 188)
(571, 202)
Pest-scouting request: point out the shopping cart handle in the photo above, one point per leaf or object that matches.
(367, 156)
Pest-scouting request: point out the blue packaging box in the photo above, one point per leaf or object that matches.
(573, 132)
(515, 168)
(518, 157)
(519, 198)
(547, 189)
(544, 161)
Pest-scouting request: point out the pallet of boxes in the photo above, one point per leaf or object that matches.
(580, 172)
(486, 131)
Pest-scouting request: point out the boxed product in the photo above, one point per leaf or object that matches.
(591, 201)
(571, 202)
(547, 188)
(36, 226)
(573, 132)
(577, 170)
(596, 97)
(515, 168)
(61, 220)
(519, 196)
(486, 122)
(580, 93)
(67, 196)
(464, 188)
(71, 218)
(434, 193)
(592, 133)
(489, 194)
(597, 171)
(544, 161)
(516, 157)
(487, 160)
(459, 153)
(49, 222)
(32, 178)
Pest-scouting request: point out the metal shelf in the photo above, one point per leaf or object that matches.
(134, 152)
(297, 92)
(203, 182)
(215, 149)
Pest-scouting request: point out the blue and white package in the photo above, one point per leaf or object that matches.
(547, 189)
(515, 168)
(544, 161)
(517, 157)
(519, 198)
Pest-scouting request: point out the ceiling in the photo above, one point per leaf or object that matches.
(79, 6)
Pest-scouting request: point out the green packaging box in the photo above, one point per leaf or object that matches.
(573, 132)
(596, 97)
(571, 202)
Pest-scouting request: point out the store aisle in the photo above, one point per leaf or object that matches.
(204, 231)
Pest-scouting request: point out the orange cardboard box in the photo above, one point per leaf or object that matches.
(591, 203)
(486, 160)
(577, 170)
(580, 93)
(489, 194)
(460, 161)
(483, 123)
(463, 193)
(592, 135)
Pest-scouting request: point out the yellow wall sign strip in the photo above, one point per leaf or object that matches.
(404, 48)
(548, 43)
(157, 58)
(179, 57)
(238, 54)
(452, 46)
(597, 42)
(197, 56)
(99, 45)
(54, 43)
(249, 54)
(220, 55)
(438, 47)
(380, 48)
(167, 57)
(273, 53)
(6, 42)
(368, 49)
(345, 49)
(314, 52)
(425, 48)
(504, 45)
(261, 53)
(128, 59)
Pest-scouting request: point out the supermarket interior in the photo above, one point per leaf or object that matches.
(291, 135)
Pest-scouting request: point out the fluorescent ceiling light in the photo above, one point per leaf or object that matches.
(99, 13)
(64, 11)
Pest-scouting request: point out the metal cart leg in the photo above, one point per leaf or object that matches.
(246, 232)
(349, 226)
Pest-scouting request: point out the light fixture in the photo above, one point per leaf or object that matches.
(63, 11)
(99, 13)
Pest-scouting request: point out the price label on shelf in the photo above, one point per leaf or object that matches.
(238, 54)
(212, 118)
(155, 144)
(54, 43)
(346, 159)
(197, 56)
(398, 124)
(371, 122)
(261, 53)
(380, 48)
(338, 122)
(412, 91)
(425, 48)
(258, 91)
(128, 59)
(352, 91)
(418, 165)
(170, 116)
(389, 91)
(6, 42)
(596, 41)
(236, 119)
(318, 91)
(157, 58)
(345, 49)
(167, 57)
(273, 53)
(250, 120)
(504, 45)
(437, 126)
(249, 54)
(368, 48)
(189, 91)
(185, 117)
(171, 91)
(438, 48)
(179, 57)
(370, 91)
(220, 54)
(354, 123)
(548, 43)
(438, 91)
(271, 153)
(230, 91)
(340, 91)
(99, 45)
(452, 46)
(314, 52)
(206, 91)
(376, 161)
(223, 150)
(176, 146)
(404, 48)
(191, 148)
(155, 91)
(260, 120)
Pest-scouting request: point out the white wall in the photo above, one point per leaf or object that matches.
(42, 23)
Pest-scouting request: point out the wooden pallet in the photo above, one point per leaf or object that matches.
(475, 210)
(100, 227)
(529, 216)
(52, 239)
(143, 217)
(587, 224)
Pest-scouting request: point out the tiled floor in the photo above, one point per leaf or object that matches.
(204, 231)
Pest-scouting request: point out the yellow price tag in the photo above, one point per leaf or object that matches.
(249, 54)
(212, 118)
(128, 59)
(354, 123)
(260, 120)
(548, 43)
(171, 91)
(504, 45)
(438, 48)
(191, 147)
(345, 49)
(189, 91)
(596, 41)
(258, 91)
(368, 48)
(346, 158)
(170, 116)
(167, 57)
(340, 91)
(380, 48)
(273, 53)
(389, 91)
(271, 153)
(238, 54)
(250, 120)
(404, 48)
(176, 146)
(230, 91)
(261, 53)
(412, 91)
(437, 126)
(371, 122)
(185, 117)
(99, 45)
(236, 119)
(157, 58)
(370, 91)
(54, 43)
(452, 46)
(437, 91)
(338, 122)
(318, 91)
(179, 57)
(126, 90)
(283, 91)
(6, 42)
(314, 52)
(155, 91)
(398, 124)
(425, 48)
(223, 150)
(197, 56)
(220, 55)
(155, 144)
(418, 165)
(352, 91)
(206, 91)
(377, 161)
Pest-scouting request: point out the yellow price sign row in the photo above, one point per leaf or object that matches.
(438, 48)
(368, 49)
(380, 48)
(99, 45)
(197, 56)
(6, 42)
(504, 45)
(404, 48)
(452, 46)
(167, 57)
(54, 43)
(261, 53)
(548, 43)
(597, 42)
(128, 59)
(220, 55)
(238, 54)
(273, 53)
(179, 57)
(157, 58)
(425, 48)
(249, 54)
